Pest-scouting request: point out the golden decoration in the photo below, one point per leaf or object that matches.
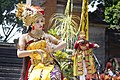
(28, 14)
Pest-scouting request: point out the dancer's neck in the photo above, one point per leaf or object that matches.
(36, 34)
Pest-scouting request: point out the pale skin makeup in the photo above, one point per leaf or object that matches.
(38, 26)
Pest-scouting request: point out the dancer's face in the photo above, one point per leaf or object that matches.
(82, 36)
(39, 24)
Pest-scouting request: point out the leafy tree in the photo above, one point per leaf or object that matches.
(66, 24)
(112, 13)
(8, 20)
(109, 11)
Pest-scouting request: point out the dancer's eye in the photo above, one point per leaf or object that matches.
(42, 21)
(37, 21)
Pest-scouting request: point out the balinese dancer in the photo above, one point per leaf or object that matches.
(83, 57)
(36, 46)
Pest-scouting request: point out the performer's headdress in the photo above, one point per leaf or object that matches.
(82, 33)
(29, 14)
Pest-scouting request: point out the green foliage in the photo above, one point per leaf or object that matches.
(61, 55)
(66, 24)
(65, 63)
(110, 11)
(53, 32)
(109, 3)
(112, 15)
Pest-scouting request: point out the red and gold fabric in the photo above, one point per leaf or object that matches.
(83, 52)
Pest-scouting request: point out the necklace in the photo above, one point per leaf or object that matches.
(38, 36)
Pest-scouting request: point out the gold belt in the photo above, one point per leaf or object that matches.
(37, 61)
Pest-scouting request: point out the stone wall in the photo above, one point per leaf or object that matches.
(97, 35)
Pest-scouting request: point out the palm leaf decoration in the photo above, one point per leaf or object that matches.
(67, 24)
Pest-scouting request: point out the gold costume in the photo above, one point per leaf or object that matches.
(41, 64)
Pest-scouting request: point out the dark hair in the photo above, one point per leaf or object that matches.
(29, 29)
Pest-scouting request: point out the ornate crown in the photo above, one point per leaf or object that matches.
(81, 34)
(29, 14)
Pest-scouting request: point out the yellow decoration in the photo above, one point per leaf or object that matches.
(84, 18)
(28, 14)
(37, 45)
(65, 79)
(41, 69)
(66, 24)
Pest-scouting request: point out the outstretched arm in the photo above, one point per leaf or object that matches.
(93, 45)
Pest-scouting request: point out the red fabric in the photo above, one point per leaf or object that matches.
(90, 45)
(33, 28)
(39, 9)
(62, 76)
(76, 45)
(26, 75)
(109, 66)
(43, 13)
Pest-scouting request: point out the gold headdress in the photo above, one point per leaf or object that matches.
(81, 34)
(29, 14)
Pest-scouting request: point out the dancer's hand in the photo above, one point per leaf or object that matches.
(97, 45)
(49, 47)
(80, 41)
(42, 53)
